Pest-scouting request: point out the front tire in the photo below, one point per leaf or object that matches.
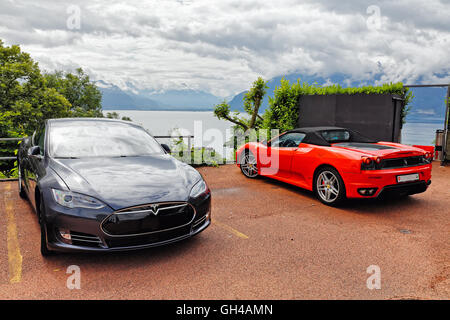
(45, 252)
(249, 165)
(329, 186)
(22, 193)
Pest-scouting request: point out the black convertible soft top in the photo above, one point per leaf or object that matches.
(314, 136)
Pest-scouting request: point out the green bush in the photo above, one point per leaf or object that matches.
(195, 156)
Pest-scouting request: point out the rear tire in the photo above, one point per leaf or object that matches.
(249, 165)
(329, 187)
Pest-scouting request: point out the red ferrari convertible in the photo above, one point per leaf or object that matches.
(337, 163)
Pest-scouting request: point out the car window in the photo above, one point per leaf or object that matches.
(334, 136)
(288, 140)
(80, 139)
(39, 139)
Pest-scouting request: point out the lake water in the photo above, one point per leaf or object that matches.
(419, 133)
(209, 127)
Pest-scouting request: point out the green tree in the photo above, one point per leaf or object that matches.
(84, 96)
(115, 115)
(252, 102)
(282, 113)
(25, 100)
(253, 99)
(27, 97)
(222, 111)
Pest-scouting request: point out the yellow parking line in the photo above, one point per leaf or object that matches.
(14, 256)
(230, 229)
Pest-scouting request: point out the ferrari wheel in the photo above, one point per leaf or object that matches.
(329, 186)
(249, 166)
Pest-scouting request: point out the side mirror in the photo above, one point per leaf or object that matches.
(166, 147)
(34, 151)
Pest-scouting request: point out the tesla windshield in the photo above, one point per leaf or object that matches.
(79, 139)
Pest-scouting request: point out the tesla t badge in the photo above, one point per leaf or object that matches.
(154, 208)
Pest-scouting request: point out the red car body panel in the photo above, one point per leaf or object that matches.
(298, 165)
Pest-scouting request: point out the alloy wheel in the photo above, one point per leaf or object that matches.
(249, 166)
(327, 185)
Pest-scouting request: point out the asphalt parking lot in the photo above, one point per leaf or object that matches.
(268, 240)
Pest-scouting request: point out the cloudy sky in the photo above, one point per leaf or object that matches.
(222, 46)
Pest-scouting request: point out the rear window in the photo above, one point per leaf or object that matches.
(335, 136)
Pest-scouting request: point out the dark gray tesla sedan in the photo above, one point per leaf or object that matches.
(106, 185)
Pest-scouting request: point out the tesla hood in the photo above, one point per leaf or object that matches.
(128, 181)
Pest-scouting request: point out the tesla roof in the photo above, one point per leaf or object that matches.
(84, 119)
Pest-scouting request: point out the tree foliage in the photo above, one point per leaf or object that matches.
(283, 110)
(25, 100)
(252, 102)
(28, 97)
(83, 95)
(222, 111)
(115, 115)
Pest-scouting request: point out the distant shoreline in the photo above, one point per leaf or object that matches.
(408, 120)
(166, 109)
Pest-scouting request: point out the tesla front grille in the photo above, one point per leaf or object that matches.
(148, 219)
(152, 238)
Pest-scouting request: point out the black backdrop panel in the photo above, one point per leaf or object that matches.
(374, 115)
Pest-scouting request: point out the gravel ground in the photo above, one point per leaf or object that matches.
(268, 240)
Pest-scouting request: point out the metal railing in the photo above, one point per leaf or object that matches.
(9, 139)
(175, 137)
(156, 137)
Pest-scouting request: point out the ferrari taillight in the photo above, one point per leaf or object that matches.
(369, 163)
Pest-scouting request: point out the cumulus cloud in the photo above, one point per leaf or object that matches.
(222, 46)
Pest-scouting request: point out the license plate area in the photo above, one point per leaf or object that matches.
(408, 178)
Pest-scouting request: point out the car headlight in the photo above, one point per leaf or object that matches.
(76, 200)
(199, 188)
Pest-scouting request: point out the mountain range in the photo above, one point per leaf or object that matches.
(114, 98)
(428, 103)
